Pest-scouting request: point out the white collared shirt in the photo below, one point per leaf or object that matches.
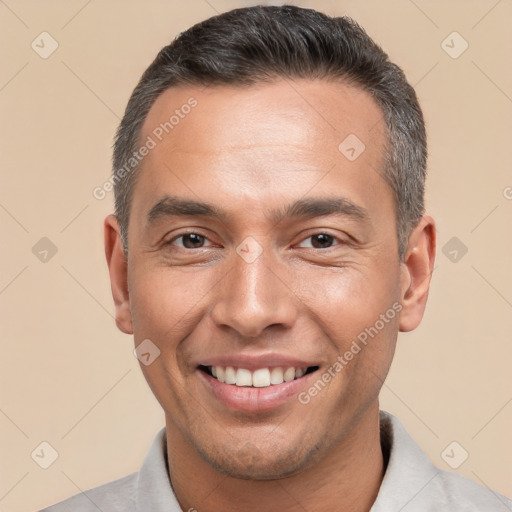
(411, 484)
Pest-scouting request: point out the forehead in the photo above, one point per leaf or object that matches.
(303, 113)
(285, 137)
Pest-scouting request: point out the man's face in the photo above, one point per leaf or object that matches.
(258, 288)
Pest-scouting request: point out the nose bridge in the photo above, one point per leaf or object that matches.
(253, 297)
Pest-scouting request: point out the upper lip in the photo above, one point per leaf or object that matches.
(255, 361)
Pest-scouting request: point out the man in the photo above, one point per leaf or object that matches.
(269, 242)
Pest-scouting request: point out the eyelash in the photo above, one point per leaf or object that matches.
(170, 242)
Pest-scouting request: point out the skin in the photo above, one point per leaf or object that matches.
(250, 151)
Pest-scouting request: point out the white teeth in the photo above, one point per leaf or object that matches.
(289, 374)
(260, 378)
(243, 377)
(276, 376)
(230, 375)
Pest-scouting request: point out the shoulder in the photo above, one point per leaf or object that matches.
(413, 484)
(115, 496)
(464, 495)
(144, 490)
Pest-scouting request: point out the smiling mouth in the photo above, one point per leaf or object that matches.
(261, 378)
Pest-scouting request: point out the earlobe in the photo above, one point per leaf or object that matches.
(416, 273)
(118, 270)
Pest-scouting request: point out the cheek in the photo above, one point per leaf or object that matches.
(166, 302)
(358, 316)
(167, 305)
(357, 311)
(346, 301)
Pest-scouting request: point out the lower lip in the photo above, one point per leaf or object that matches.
(251, 399)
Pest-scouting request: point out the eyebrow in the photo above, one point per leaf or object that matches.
(172, 206)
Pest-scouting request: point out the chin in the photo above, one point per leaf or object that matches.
(252, 463)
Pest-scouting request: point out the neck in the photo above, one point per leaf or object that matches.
(347, 479)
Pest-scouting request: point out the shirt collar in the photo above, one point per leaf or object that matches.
(408, 472)
(153, 487)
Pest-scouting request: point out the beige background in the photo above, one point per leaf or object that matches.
(68, 377)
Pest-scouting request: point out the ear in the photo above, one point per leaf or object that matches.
(118, 269)
(416, 271)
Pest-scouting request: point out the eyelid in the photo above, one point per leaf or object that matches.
(197, 231)
(191, 231)
(323, 232)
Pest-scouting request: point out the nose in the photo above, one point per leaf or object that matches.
(253, 297)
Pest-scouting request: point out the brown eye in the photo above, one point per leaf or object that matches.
(190, 240)
(320, 241)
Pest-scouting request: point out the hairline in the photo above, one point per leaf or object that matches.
(344, 79)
